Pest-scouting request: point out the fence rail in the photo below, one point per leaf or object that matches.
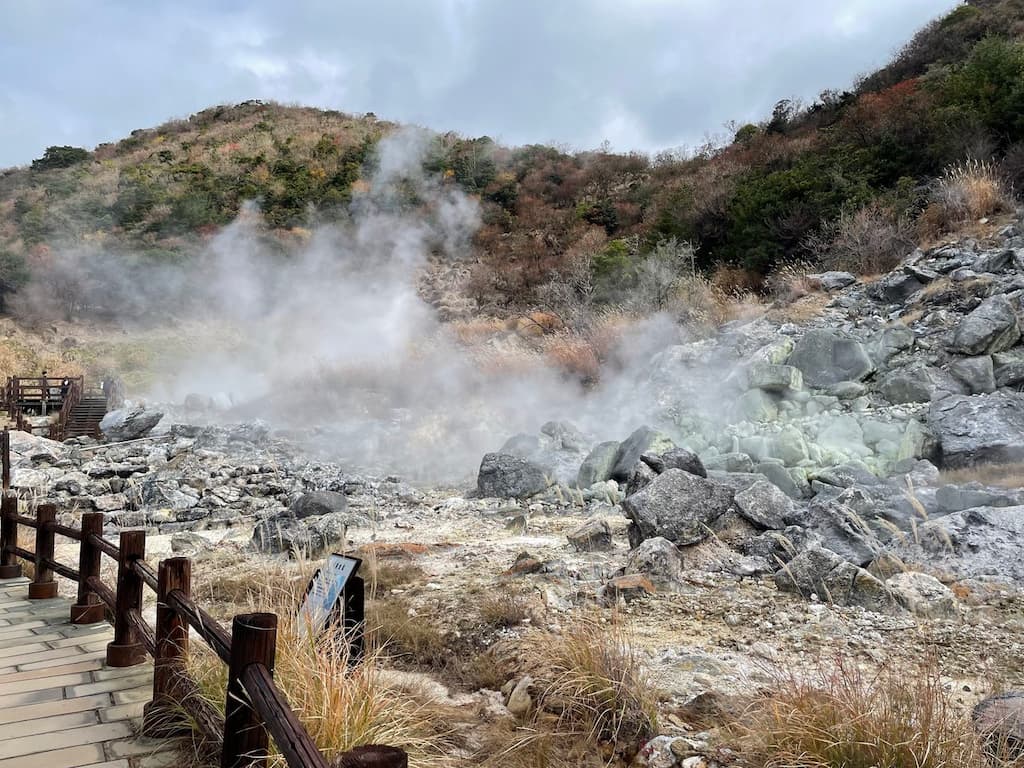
(255, 708)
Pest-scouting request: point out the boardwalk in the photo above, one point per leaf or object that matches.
(60, 707)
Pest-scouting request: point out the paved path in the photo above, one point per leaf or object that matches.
(60, 706)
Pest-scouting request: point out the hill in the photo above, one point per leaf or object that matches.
(934, 139)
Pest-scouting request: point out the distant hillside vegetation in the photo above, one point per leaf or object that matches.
(852, 180)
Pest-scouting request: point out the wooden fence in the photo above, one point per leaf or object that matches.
(255, 709)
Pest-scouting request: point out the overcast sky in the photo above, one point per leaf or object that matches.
(642, 74)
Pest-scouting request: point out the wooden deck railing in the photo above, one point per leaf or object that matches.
(255, 708)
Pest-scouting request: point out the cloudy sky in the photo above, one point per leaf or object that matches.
(642, 74)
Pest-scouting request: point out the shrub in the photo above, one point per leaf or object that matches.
(869, 241)
(989, 87)
(60, 157)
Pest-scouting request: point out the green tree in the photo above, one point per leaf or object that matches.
(60, 157)
(13, 274)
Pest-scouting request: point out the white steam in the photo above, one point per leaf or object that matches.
(336, 338)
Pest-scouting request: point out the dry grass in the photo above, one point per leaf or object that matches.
(791, 283)
(802, 310)
(394, 626)
(590, 677)
(341, 705)
(477, 330)
(897, 718)
(966, 192)
(703, 306)
(574, 355)
(999, 475)
(501, 608)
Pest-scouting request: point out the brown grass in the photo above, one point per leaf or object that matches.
(897, 718)
(593, 680)
(966, 192)
(500, 608)
(999, 475)
(573, 355)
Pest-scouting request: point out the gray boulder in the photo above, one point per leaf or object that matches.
(979, 429)
(595, 535)
(318, 503)
(824, 357)
(510, 477)
(678, 506)
(984, 542)
(844, 524)
(894, 288)
(993, 261)
(659, 560)
(597, 467)
(129, 423)
(918, 384)
(975, 373)
(992, 327)
(781, 379)
(922, 595)
(284, 534)
(765, 505)
(889, 342)
(823, 573)
(644, 440)
(833, 281)
(677, 458)
(1009, 368)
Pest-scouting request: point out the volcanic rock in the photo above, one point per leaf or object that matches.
(678, 506)
(979, 429)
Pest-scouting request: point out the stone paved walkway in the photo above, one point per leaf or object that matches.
(60, 706)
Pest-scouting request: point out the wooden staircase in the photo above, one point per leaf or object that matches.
(85, 418)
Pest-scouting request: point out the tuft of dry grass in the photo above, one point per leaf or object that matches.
(967, 191)
(999, 475)
(503, 608)
(900, 717)
(791, 283)
(592, 679)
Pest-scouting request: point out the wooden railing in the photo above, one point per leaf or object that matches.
(72, 397)
(255, 708)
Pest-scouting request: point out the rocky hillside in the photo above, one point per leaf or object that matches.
(849, 179)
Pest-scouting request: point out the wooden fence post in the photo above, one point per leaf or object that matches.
(5, 459)
(44, 585)
(88, 609)
(171, 652)
(253, 641)
(10, 568)
(126, 649)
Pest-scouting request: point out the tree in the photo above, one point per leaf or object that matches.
(13, 275)
(60, 157)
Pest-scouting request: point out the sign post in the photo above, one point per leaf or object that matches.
(335, 596)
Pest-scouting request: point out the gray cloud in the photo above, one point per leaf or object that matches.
(644, 74)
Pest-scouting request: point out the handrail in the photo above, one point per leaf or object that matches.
(256, 709)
